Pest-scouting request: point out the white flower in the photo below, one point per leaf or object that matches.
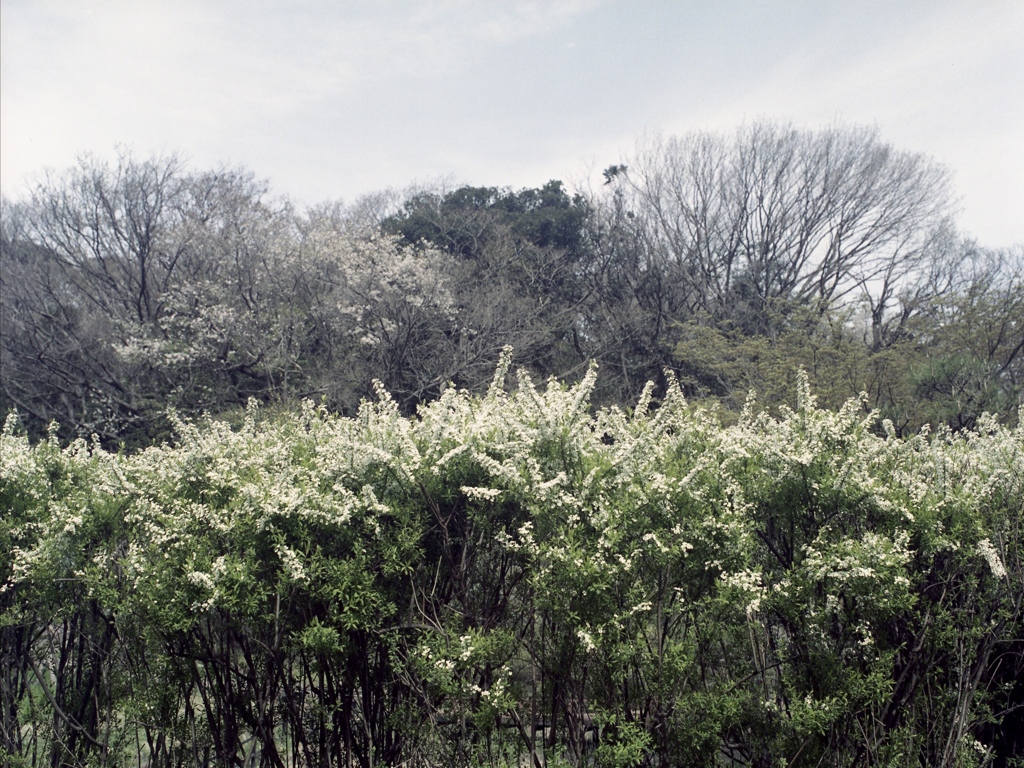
(290, 560)
(200, 579)
(986, 550)
(586, 639)
(481, 494)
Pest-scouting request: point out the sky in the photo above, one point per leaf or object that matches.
(334, 99)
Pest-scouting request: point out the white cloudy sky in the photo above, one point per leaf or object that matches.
(336, 98)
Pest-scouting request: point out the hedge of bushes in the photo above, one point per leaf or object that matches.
(513, 579)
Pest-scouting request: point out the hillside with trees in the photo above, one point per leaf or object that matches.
(732, 261)
(268, 502)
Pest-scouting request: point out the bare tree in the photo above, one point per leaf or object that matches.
(84, 261)
(745, 228)
(136, 286)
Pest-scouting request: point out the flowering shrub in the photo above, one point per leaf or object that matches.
(512, 577)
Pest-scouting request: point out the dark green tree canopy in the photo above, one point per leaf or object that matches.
(462, 220)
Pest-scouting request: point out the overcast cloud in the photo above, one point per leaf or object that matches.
(331, 99)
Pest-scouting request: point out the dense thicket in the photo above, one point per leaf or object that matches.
(516, 578)
(461, 574)
(126, 289)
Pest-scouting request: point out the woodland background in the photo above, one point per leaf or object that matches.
(730, 260)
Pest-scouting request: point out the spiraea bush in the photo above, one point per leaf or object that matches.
(515, 577)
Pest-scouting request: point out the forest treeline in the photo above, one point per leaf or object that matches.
(516, 578)
(731, 260)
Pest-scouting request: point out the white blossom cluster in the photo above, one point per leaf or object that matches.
(622, 526)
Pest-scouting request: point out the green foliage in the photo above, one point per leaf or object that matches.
(463, 221)
(625, 747)
(935, 379)
(516, 576)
